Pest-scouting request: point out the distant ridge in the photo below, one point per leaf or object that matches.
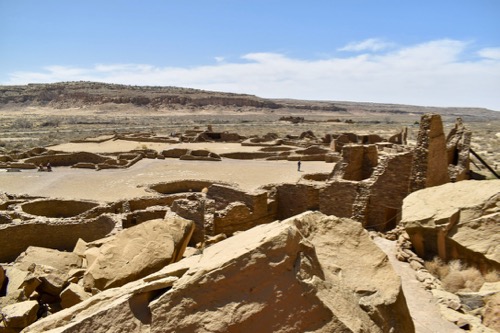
(87, 94)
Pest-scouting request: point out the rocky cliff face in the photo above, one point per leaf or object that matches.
(90, 94)
(78, 94)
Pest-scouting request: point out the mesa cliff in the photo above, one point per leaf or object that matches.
(88, 94)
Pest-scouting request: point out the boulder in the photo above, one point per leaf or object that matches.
(138, 251)
(62, 261)
(491, 314)
(268, 266)
(266, 279)
(15, 278)
(53, 284)
(456, 221)
(346, 251)
(20, 315)
(14, 297)
(73, 294)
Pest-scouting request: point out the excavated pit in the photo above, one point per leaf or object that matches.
(57, 208)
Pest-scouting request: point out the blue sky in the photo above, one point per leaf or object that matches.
(439, 53)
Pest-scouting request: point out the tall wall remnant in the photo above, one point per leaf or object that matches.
(369, 185)
(430, 159)
(458, 147)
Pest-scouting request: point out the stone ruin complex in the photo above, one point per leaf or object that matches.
(368, 184)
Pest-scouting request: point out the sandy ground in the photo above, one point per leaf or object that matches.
(111, 185)
(126, 146)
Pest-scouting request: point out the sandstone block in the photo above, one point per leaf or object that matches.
(451, 300)
(138, 251)
(62, 261)
(73, 294)
(80, 247)
(20, 315)
(53, 284)
(14, 297)
(456, 221)
(15, 277)
(491, 314)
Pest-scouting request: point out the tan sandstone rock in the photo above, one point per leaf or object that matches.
(73, 294)
(491, 315)
(15, 278)
(456, 221)
(138, 251)
(266, 279)
(60, 260)
(20, 315)
(345, 250)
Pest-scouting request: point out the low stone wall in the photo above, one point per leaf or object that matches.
(57, 208)
(186, 185)
(255, 142)
(174, 152)
(15, 238)
(315, 157)
(248, 155)
(238, 217)
(67, 159)
(293, 199)
(145, 202)
(17, 165)
(239, 210)
(317, 177)
(276, 149)
(138, 217)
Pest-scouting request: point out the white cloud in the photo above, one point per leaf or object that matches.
(372, 44)
(490, 53)
(430, 73)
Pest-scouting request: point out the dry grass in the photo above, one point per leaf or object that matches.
(456, 276)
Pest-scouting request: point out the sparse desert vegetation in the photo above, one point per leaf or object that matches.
(457, 276)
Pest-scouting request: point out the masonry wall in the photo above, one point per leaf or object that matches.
(430, 162)
(338, 197)
(238, 217)
(293, 199)
(15, 238)
(238, 210)
(67, 159)
(390, 186)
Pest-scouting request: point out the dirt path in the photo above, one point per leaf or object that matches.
(423, 307)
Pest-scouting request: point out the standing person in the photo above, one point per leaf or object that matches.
(49, 167)
(298, 165)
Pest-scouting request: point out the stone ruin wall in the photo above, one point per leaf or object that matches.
(389, 188)
(363, 186)
(293, 199)
(338, 198)
(185, 185)
(237, 210)
(67, 159)
(15, 238)
(458, 145)
(430, 163)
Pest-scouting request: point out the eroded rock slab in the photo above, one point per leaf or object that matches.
(456, 221)
(271, 278)
(138, 251)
